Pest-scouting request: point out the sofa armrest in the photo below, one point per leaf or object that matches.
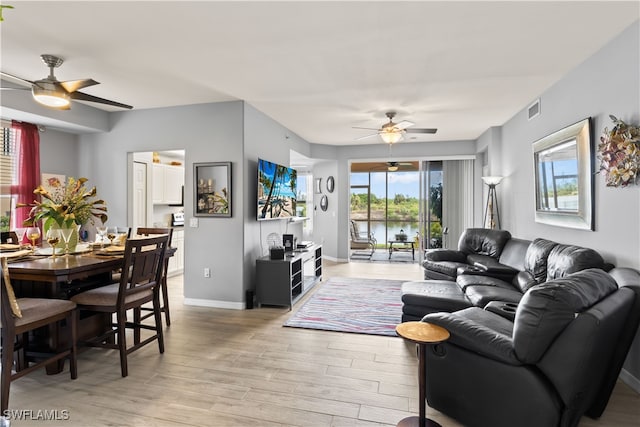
(501, 271)
(478, 331)
(445, 255)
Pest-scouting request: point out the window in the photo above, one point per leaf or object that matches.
(8, 173)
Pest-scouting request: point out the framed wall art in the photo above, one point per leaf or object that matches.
(212, 189)
(563, 163)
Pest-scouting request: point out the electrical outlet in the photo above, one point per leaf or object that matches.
(207, 272)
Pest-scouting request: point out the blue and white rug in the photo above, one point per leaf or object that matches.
(362, 306)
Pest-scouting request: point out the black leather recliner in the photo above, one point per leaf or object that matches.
(558, 360)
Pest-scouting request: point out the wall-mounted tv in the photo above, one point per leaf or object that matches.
(276, 191)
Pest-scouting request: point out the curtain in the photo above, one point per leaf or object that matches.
(457, 198)
(28, 168)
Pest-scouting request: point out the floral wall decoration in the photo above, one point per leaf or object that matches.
(619, 154)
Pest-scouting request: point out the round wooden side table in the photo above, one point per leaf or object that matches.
(423, 334)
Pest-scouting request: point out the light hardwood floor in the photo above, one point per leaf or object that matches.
(239, 368)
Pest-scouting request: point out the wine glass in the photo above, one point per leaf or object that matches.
(102, 232)
(111, 234)
(33, 234)
(53, 238)
(20, 232)
(66, 235)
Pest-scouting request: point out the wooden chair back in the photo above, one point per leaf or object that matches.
(9, 237)
(152, 231)
(144, 260)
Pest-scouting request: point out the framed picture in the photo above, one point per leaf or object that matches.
(563, 167)
(212, 189)
(52, 181)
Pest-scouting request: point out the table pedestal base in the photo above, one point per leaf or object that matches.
(415, 422)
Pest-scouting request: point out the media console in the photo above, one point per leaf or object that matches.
(283, 282)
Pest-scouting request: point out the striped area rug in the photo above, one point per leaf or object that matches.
(362, 306)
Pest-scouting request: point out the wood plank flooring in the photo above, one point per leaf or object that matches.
(239, 368)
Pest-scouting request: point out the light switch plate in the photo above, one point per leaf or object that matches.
(193, 222)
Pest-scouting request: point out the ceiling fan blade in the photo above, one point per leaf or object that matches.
(74, 85)
(359, 127)
(15, 78)
(418, 130)
(81, 96)
(404, 124)
(367, 136)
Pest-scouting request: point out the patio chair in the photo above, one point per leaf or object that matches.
(360, 241)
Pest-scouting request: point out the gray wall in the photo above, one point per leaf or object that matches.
(607, 83)
(59, 153)
(207, 133)
(597, 88)
(266, 139)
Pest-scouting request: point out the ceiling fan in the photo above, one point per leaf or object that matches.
(53, 93)
(393, 132)
(394, 166)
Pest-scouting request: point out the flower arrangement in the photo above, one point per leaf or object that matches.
(619, 154)
(66, 204)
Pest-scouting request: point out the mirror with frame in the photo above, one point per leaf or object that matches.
(563, 163)
(331, 184)
(324, 203)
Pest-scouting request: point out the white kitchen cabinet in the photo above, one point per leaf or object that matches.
(167, 184)
(176, 262)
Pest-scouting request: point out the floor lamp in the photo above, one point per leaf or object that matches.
(492, 201)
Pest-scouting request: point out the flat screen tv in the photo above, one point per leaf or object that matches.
(276, 191)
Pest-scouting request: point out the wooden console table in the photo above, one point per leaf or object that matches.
(423, 334)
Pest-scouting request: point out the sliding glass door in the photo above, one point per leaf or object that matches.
(429, 201)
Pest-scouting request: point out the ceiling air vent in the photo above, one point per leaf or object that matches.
(534, 109)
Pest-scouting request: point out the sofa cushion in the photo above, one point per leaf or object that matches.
(483, 241)
(566, 259)
(523, 281)
(535, 260)
(435, 295)
(546, 309)
(449, 268)
(514, 252)
(483, 295)
(467, 280)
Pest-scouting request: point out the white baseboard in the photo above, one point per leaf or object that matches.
(630, 380)
(215, 304)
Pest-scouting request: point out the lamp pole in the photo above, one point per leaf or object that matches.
(492, 200)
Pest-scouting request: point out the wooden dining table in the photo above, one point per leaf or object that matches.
(62, 277)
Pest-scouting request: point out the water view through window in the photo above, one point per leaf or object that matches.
(386, 203)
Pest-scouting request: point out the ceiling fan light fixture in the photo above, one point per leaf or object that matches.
(51, 97)
(391, 136)
(392, 168)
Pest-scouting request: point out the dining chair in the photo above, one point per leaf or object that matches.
(9, 237)
(139, 284)
(22, 315)
(150, 231)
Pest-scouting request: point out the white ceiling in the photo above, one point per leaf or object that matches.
(319, 68)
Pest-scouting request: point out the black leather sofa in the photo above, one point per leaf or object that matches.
(557, 361)
(491, 270)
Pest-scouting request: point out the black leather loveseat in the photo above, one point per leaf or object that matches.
(558, 360)
(491, 270)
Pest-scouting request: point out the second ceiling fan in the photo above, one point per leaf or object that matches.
(393, 132)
